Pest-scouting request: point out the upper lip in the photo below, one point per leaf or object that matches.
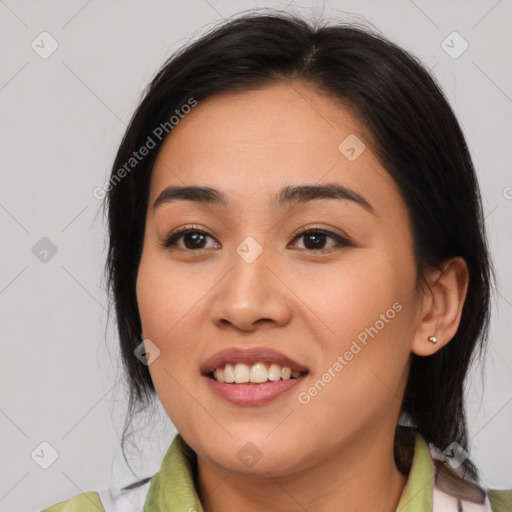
(250, 356)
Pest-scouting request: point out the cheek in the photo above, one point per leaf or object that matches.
(163, 308)
(369, 307)
(368, 287)
(172, 299)
(152, 299)
(165, 295)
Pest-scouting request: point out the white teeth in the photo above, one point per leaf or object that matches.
(274, 372)
(257, 373)
(219, 374)
(229, 374)
(241, 373)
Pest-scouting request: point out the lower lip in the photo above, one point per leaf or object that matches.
(252, 394)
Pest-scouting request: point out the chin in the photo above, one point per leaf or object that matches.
(256, 454)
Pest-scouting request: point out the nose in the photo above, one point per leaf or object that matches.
(252, 295)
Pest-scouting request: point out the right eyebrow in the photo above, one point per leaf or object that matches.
(191, 193)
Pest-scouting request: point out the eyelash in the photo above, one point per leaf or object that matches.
(171, 239)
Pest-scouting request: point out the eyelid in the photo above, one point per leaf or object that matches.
(170, 239)
(342, 240)
(315, 228)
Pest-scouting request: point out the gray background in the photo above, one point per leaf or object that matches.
(61, 120)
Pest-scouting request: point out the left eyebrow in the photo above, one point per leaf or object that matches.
(305, 193)
(288, 195)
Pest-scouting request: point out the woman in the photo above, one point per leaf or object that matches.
(300, 273)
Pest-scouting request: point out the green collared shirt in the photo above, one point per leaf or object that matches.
(172, 489)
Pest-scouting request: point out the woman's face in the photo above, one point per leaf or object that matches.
(339, 303)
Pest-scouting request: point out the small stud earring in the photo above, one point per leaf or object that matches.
(433, 339)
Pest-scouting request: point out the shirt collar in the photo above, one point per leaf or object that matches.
(173, 487)
(419, 489)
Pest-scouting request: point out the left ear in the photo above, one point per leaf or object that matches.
(441, 308)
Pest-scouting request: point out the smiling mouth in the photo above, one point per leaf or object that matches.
(257, 373)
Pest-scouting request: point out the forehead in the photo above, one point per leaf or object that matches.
(254, 142)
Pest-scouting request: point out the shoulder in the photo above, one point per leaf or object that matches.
(447, 485)
(84, 502)
(128, 499)
(451, 488)
(501, 500)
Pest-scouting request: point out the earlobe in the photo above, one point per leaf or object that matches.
(442, 302)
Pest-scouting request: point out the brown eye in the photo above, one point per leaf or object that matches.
(193, 239)
(315, 239)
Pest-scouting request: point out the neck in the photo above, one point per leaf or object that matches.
(342, 481)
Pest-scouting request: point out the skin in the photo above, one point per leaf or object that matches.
(308, 303)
